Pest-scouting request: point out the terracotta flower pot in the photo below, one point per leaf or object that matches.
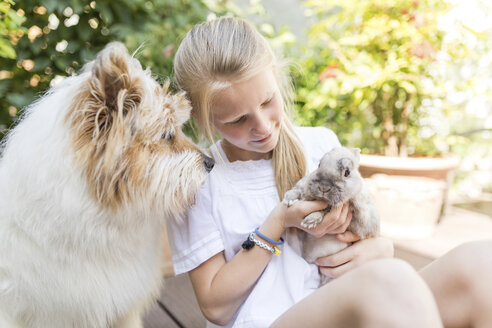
(410, 193)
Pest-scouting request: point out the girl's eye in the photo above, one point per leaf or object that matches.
(239, 120)
(347, 173)
(267, 102)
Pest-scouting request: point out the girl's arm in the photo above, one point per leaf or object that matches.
(221, 286)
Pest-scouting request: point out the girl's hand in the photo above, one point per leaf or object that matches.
(362, 251)
(335, 221)
(293, 215)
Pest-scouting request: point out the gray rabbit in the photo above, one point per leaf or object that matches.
(336, 180)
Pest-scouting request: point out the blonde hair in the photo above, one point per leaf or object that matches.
(227, 50)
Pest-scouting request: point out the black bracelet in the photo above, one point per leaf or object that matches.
(248, 244)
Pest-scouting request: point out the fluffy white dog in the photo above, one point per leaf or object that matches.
(87, 180)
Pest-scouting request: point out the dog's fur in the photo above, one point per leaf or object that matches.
(87, 180)
(337, 180)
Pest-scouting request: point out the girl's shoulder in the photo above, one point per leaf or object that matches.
(317, 139)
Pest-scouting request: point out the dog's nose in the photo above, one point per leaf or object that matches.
(209, 163)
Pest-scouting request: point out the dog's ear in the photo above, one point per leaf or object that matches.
(102, 109)
(115, 91)
(179, 104)
(183, 108)
(113, 82)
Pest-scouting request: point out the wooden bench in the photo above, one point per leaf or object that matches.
(176, 307)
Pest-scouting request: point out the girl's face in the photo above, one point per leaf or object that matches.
(248, 115)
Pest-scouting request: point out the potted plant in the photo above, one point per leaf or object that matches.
(371, 78)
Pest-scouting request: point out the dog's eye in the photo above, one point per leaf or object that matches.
(167, 136)
(346, 173)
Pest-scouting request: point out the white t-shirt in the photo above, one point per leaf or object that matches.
(236, 198)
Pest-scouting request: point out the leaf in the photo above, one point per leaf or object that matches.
(40, 63)
(106, 13)
(62, 62)
(15, 18)
(87, 55)
(4, 85)
(36, 46)
(4, 7)
(21, 100)
(73, 46)
(84, 31)
(6, 50)
(77, 6)
(409, 87)
(123, 15)
(50, 5)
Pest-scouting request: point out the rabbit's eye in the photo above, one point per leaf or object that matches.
(347, 173)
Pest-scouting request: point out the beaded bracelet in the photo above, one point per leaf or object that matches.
(251, 241)
(271, 241)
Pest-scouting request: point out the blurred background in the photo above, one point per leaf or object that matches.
(399, 78)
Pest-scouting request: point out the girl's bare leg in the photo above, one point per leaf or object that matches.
(382, 293)
(461, 282)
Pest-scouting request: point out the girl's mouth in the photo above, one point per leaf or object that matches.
(264, 139)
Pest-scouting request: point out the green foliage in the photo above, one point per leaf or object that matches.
(10, 26)
(367, 72)
(60, 36)
(467, 71)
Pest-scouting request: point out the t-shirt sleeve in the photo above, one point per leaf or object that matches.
(197, 237)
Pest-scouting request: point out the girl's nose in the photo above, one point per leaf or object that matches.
(261, 125)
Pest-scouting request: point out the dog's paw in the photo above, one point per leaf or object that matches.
(312, 220)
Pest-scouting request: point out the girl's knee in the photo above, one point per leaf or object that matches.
(397, 294)
(392, 281)
(461, 280)
(390, 272)
(479, 249)
(471, 262)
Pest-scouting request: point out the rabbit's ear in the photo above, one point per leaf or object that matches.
(356, 152)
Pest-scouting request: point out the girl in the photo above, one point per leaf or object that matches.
(230, 241)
